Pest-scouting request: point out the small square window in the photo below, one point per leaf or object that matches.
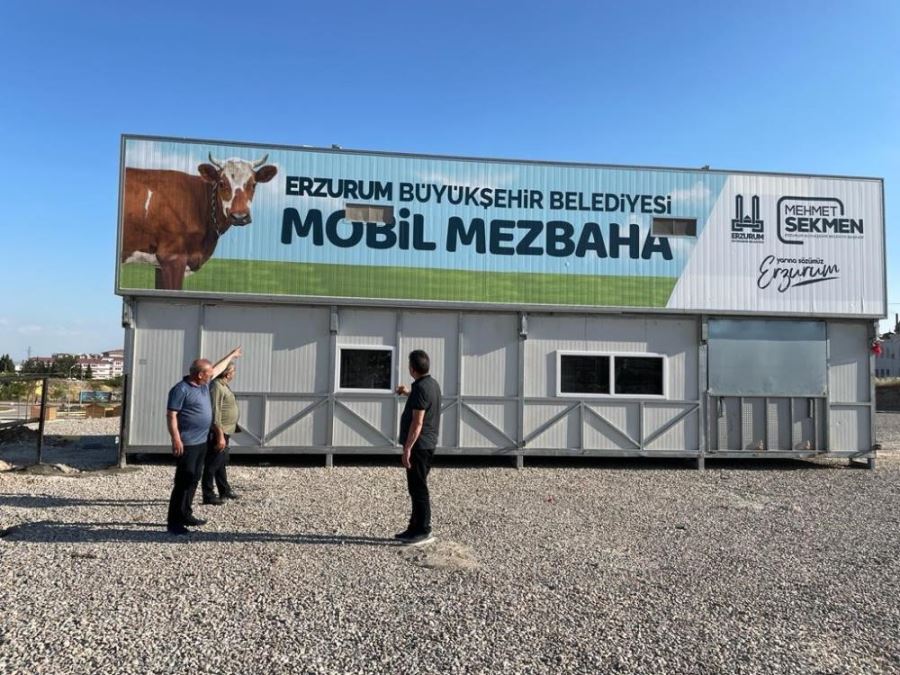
(639, 375)
(369, 213)
(674, 227)
(583, 374)
(365, 368)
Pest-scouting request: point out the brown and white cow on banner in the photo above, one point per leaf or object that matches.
(174, 219)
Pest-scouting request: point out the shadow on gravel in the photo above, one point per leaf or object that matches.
(54, 532)
(44, 501)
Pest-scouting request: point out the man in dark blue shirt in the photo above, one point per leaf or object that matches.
(189, 419)
(420, 426)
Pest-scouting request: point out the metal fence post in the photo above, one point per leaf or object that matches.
(40, 440)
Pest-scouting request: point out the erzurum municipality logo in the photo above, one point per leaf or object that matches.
(747, 227)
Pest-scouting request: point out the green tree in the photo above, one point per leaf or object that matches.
(89, 373)
(64, 364)
(6, 364)
(34, 366)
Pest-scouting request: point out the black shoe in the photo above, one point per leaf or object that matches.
(230, 494)
(214, 501)
(403, 536)
(177, 529)
(419, 538)
(195, 522)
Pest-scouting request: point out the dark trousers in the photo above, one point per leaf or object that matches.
(417, 482)
(187, 475)
(215, 468)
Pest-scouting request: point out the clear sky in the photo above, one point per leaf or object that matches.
(805, 86)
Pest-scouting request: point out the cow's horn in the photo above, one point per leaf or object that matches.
(260, 162)
(216, 164)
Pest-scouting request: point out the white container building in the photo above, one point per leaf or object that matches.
(568, 309)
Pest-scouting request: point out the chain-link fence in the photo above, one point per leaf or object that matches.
(28, 402)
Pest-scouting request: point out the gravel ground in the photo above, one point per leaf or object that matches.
(607, 566)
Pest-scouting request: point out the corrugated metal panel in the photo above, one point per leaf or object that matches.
(436, 333)
(564, 433)
(167, 341)
(613, 427)
(849, 430)
(849, 359)
(308, 430)
(350, 431)
(546, 335)
(226, 327)
(496, 428)
(767, 358)
(682, 435)
(367, 327)
(252, 420)
(299, 349)
(490, 356)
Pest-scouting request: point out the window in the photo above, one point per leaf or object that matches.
(583, 374)
(369, 213)
(639, 375)
(597, 374)
(365, 368)
(674, 227)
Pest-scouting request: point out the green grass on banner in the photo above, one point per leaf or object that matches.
(357, 281)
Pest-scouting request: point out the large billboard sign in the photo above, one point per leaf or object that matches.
(214, 219)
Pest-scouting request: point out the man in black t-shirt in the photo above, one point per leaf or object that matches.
(419, 428)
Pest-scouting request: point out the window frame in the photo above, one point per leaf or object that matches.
(612, 374)
(352, 390)
(671, 220)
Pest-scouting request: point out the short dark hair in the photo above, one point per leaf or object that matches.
(419, 361)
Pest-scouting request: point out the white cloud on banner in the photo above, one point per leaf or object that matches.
(698, 193)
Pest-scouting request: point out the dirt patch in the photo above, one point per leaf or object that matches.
(441, 555)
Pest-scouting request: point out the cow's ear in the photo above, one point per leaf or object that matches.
(266, 173)
(209, 173)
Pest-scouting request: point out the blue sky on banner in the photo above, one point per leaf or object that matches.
(802, 87)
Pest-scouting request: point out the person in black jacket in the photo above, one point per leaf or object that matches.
(419, 428)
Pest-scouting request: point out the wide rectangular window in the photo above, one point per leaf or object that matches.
(674, 227)
(364, 368)
(598, 374)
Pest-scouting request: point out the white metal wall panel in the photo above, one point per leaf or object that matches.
(611, 426)
(546, 335)
(564, 433)
(849, 426)
(250, 327)
(166, 342)
(351, 432)
(436, 333)
(367, 327)
(300, 349)
(308, 430)
(490, 355)
(252, 420)
(682, 435)
(497, 429)
(849, 429)
(849, 360)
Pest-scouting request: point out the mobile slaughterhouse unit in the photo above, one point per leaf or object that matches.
(568, 309)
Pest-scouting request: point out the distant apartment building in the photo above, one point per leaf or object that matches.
(105, 365)
(887, 364)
